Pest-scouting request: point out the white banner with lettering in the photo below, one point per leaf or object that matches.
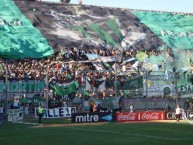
(57, 112)
(15, 115)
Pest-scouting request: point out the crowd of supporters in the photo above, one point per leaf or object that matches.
(67, 65)
(72, 64)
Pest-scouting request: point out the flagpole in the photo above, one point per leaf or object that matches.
(6, 91)
(176, 86)
(47, 86)
(146, 85)
(83, 87)
(116, 82)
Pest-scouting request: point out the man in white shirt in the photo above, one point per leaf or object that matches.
(131, 107)
(178, 113)
(123, 68)
(16, 104)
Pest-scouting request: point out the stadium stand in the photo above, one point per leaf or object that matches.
(58, 41)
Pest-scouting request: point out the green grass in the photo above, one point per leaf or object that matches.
(106, 134)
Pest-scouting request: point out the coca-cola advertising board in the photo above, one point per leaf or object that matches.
(139, 116)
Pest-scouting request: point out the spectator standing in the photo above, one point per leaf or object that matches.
(167, 108)
(98, 108)
(16, 103)
(91, 108)
(94, 108)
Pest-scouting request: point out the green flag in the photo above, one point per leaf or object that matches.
(86, 93)
(76, 84)
(25, 100)
(58, 90)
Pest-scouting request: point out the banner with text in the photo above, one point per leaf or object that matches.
(139, 116)
(23, 86)
(92, 117)
(57, 112)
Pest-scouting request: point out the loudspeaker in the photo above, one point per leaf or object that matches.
(67, 1)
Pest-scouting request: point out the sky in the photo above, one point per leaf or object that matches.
(159, 5)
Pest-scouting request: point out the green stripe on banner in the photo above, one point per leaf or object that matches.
(106, 37)
(82, 30)
(112, 24)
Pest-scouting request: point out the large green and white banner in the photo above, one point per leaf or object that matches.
(174, 29)
(18, 37)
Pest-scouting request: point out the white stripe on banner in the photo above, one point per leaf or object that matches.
(166, 75)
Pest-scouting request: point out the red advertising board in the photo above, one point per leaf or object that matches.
(139, 116)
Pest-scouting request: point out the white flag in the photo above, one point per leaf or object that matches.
(166, 75)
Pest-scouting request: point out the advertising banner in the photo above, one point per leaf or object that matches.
(139, 116)
(15, 115)
(23, 86)
(57, 112)
(171, 115)
(92, 117)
